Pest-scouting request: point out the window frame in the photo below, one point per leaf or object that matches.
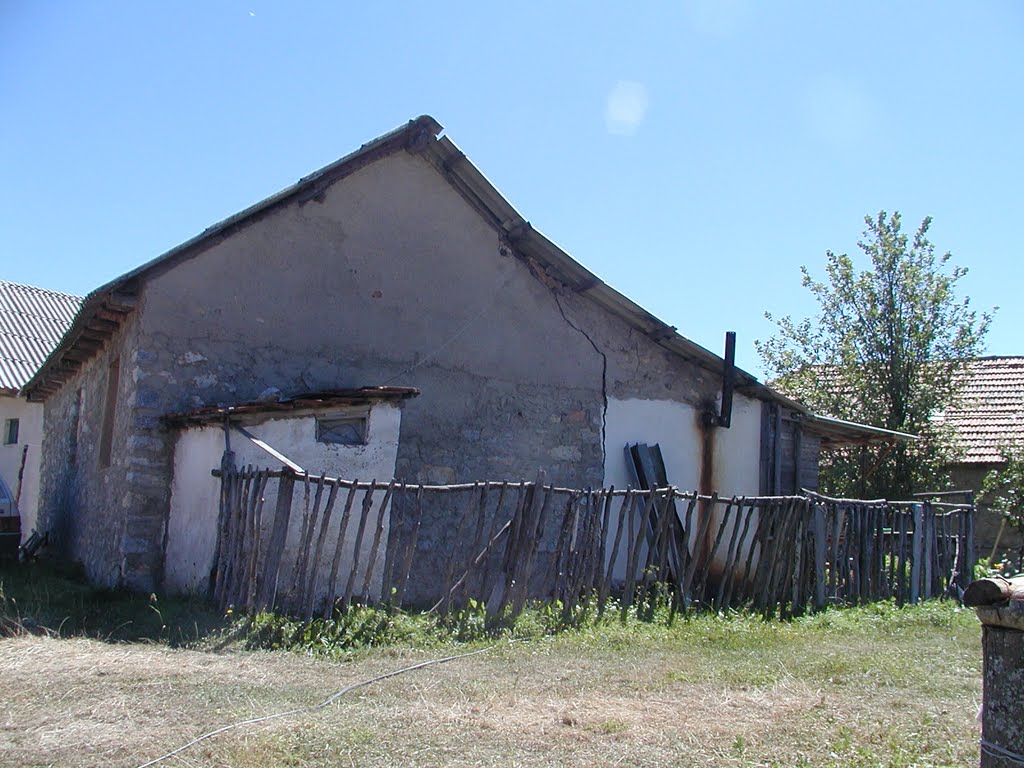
(12, 431)
(328, 421)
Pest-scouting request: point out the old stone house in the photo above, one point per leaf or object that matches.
(987, 419)
(397, 270)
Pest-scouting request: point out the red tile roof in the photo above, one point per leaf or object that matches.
(991, 412)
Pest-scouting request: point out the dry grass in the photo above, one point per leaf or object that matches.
(895, 689)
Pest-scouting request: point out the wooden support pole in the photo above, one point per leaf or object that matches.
(637, 531)
(481, 589)
(534, 530)
(257, 541)
(309, 520)
(727, 568)
(972, 556)
(391, 546)
(699, 560)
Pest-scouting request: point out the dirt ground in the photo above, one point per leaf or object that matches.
(550, 702)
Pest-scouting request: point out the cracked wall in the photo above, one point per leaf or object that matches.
(389, 278)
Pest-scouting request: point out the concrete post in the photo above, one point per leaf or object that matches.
(1002, 718)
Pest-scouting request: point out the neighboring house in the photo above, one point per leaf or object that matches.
(32, 322)
(988, 417)
(396, 271)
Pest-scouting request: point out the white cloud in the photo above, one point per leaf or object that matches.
(626, 108)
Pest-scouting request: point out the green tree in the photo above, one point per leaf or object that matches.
(1003, 491)
(886, 348)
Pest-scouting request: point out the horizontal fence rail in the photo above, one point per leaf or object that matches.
(309, 545)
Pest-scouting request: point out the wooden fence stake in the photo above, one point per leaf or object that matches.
(410, 548)
(325, 523)
(364, 515)
(275, 548)
(818, 534)
(375, 546)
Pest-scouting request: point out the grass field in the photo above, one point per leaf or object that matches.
(872, 686)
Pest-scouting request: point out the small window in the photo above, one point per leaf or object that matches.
(11, 431)
(107, 435)
(342, 430)
(76, 426)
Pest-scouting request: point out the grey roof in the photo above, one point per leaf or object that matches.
(105, 309)
(32, 322)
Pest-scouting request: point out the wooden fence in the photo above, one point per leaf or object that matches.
(327, 543)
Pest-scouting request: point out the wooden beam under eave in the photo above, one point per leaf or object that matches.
(101, 325)
(95, 336)
(120, 302)
(81, 355)
(106, 314)
(90, 342)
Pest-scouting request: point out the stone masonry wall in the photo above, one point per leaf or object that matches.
(389, 278)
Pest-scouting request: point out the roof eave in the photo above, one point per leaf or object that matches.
(531, 244)
(418, 135)
(313, 401)
(840, 431)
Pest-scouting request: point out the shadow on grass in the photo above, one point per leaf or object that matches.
(39, 598)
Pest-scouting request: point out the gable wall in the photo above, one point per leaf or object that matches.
(392, 278)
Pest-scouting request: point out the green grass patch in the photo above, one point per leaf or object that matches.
(36, 598)
(874, 685)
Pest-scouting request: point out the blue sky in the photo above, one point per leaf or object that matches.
(694, 155)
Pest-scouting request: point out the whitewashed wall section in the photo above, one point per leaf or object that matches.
(676, 428)
(195, 493)
(30, 434)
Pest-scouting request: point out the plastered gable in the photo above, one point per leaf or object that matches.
(388, 276)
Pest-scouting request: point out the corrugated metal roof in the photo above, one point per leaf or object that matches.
(32, 323)
(990, 414)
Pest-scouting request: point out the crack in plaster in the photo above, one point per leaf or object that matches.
(604, 377)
